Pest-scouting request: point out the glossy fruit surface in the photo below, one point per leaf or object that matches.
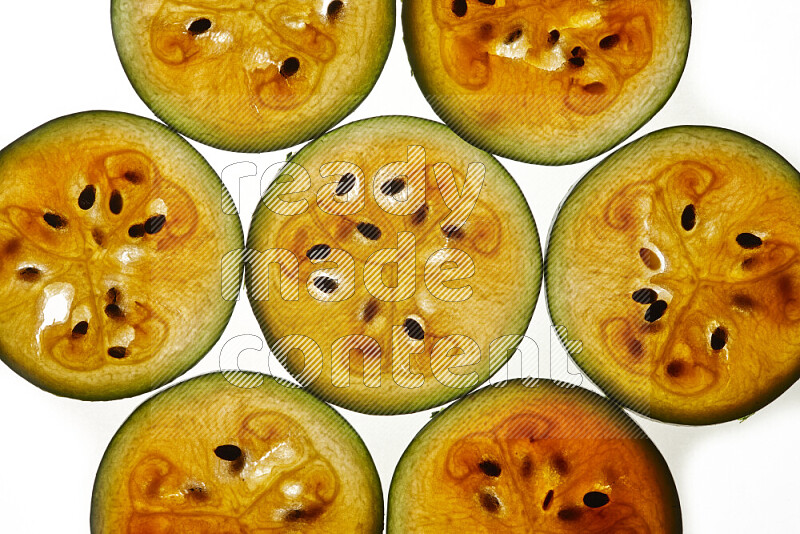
(675, 263)
(527, 458)
(113, 232)
(410, 265)
(547, 81)
(236, 453)
(253, 76)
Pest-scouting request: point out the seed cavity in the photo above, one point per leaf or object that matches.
(346, 184)
(133, 177)
(334, 8)
(371, 310)
(229, 453)
(650, 259)
(87, 197)
(609, 41)
(748, 241)
(595, 88)
(490, 468)
(570, 514)
(490, 502)
(553, 37)
(595, 499)
(136, 231)
(318, 252)
(289, 67)
(393, 186)
(199, 26)
(676, 368)
(154, 224)
(514, 36)
(29, 274)
(547, 500)
(688, 217)
(420, 215)
(453, 232)
(645, 296)
(97, 236)
(368, 230)
(115, 202)
(413, 329)
(719, 337)
(80, 329)
(54, 220)
(117, 352)
(325, 284)
(560, 464)
(655, 311)
(114, 312)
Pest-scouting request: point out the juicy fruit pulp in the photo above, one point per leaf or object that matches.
(112, 237)
(254, 75)
(675, 263)
(236, 454)
(419, 258)
(555, 460)
(546, 81)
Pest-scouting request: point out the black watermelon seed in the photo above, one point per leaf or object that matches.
(547, 500)
(136, 231)
(154, 224)
(115, 202)
(595, 499)
(490, 503)
(577, 52)
(413, 329)
(553, 37)
(325, 284)
(645, 296)
(229, 453)
(115, 312)
(513, 36)
(97, 235)
(112, 295)
(370, 231)
(29, 274)
(655, 311)
(199, 26)
(748, 241)
(577, 62)
(490, 468)
(420, 215)
(334, 8)
(318, 252)
(609, 41)
(570, 514)
(54, 220)
(719, 338)
(87, 197)
(688, 217)
(459, 8)
(393, 186)
(80, 329)
(346, 184)
(289, 67)
(117, 352)
(487, 2)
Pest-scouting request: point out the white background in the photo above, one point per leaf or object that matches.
(57, 57)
